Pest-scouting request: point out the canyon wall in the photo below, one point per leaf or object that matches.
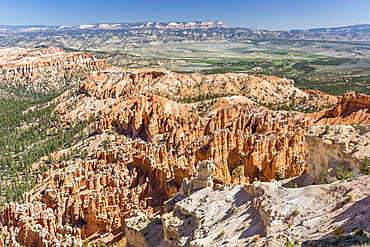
(151, 142)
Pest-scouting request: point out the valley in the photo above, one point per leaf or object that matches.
(326, 60)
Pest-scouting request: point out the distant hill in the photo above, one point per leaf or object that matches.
(362, 28)
(146, 32)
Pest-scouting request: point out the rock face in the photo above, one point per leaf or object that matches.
(333, 145)
(86, 200)
(350, 109)
(264, 214)
(236, 136)
(140, 230)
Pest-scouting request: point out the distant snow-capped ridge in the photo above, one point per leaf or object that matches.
(190, 25)
(118, 26)
(159, 25)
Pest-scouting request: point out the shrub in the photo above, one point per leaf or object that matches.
(324, 177)
(361, 233)
(343, 174)
(327, 128)
(296, 212)
(351, 197)
(201, 201)
(256, 239)
(279, 176)
(289, 244)
(86, 242)
(222, 233)
(238, 173)
(365, 167)
(338, 231)
(291, 185)
(234, 210)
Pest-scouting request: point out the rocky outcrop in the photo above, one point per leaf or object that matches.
(205, 170)
(191, 25)
(240, 136)
(190, 88)
(142, 232)
(261, 214)
(236, 136)
(330, 146)
(350, 109)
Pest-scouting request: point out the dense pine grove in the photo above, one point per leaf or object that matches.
(29, 130)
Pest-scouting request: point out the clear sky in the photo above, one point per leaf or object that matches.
(262, 14)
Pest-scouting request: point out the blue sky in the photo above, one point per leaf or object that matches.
(262, 14)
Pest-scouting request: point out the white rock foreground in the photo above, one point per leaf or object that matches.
(267, 214)
(261, 214)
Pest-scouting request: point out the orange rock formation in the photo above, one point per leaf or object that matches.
(164, 142)
(350, 109)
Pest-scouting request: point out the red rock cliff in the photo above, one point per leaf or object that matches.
(350, 109)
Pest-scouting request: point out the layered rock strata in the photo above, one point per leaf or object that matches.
(18, 63)
(141, 231)
(192, 88)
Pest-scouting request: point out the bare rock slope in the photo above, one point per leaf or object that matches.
(260, 214)
(333, 145)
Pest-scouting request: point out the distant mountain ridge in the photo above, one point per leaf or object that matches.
(359, 28)
(364, 28)
(133, 36)
(117, 26)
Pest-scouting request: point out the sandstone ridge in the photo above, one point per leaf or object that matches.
(350, 109)
(43, 71)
